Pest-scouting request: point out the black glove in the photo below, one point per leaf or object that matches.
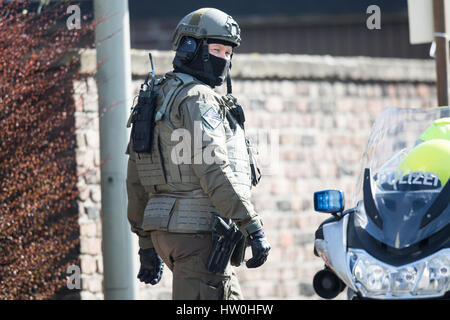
(260, 249)
(151, 266)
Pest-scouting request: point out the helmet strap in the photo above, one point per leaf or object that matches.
(207, 67)
(229, 87)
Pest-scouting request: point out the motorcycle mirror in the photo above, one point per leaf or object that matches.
(329, 201)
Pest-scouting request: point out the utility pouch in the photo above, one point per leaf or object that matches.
(235, 110)
(225, 238)
(238, 114)
(254, 168)
(143, 115)
(239, 252)
(143, 122)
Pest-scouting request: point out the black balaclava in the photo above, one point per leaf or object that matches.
(205, 67)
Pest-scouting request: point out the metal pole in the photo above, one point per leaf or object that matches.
(114, 91)
(441, 52)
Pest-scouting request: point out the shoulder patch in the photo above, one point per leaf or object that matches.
(212, 118)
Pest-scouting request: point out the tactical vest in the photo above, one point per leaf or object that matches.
(177, 203)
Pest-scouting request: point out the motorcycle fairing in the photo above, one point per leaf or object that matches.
(396, 218)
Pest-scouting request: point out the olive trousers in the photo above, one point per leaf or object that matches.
(186, 256)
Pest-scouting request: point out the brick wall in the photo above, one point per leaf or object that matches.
(310, 116)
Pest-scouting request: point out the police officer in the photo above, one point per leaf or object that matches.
(200, 165)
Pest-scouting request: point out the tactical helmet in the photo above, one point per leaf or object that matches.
(430, 156)
(207, 23)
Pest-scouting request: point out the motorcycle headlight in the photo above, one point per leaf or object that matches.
(436, 276)
(373, 276)
(427, 277)
(404, 279)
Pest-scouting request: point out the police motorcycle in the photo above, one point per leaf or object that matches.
(395, 242)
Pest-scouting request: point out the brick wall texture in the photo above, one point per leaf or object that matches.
(310, 118)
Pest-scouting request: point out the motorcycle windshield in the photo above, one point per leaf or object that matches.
(396, 206)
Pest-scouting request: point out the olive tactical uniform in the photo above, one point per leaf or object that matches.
(199, 166)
